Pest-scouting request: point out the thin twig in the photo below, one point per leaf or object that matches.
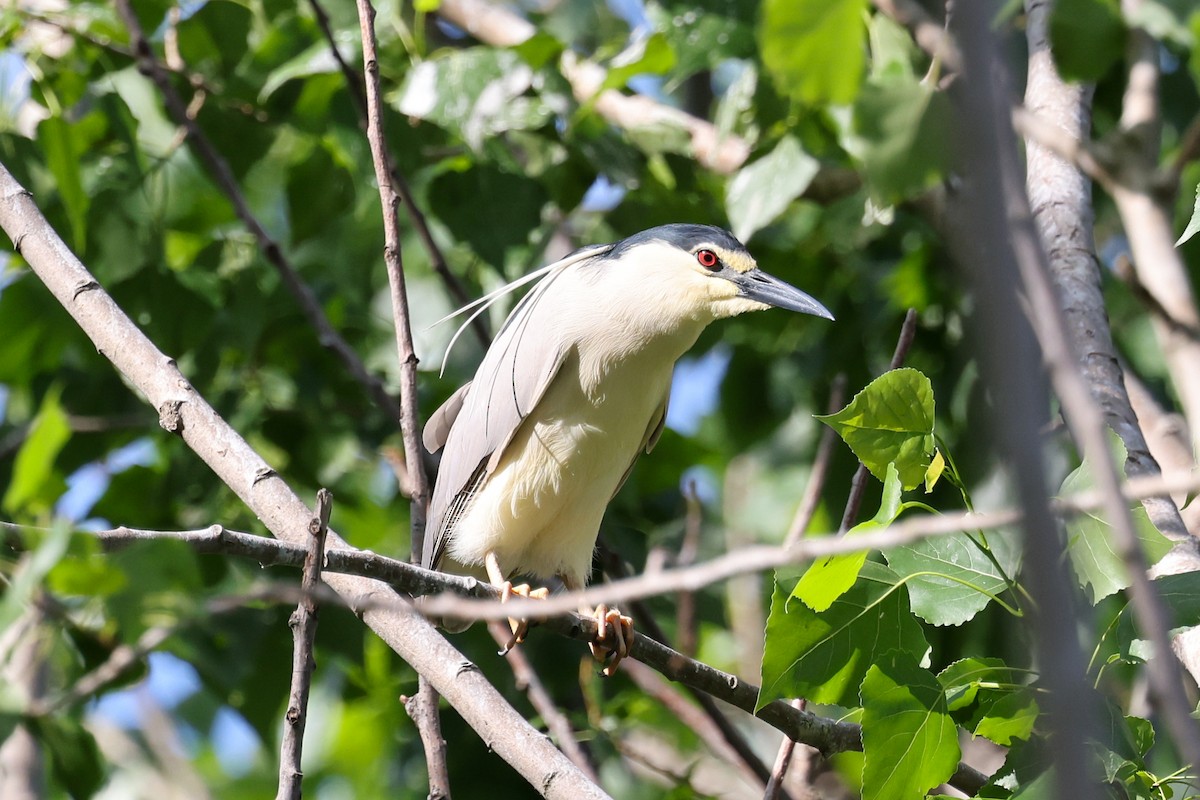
(424, 708)
(436, 258)
(858, 485)
(685, 604)
(820, 466)
(303, 623)
(556, 721)
(783, 760)
(223, 176)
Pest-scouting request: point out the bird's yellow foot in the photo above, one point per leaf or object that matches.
(610, 653)
(520, 627)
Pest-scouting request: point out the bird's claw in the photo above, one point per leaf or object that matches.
(622, 638)
(520, 627)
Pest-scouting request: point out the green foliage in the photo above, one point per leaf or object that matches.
(759, 193)
(840, 130)
(1087, 37)
(890, 422)
(828, 578)
(813, 48)
(909, 740)
(823, 656)
(1098, 566)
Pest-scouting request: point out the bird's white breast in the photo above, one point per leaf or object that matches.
(540, 510)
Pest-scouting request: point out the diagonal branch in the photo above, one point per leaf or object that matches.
(223, 177)
(184, 412)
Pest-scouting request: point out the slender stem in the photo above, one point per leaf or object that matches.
(303, 623)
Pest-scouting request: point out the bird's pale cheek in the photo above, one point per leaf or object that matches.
(732, 306)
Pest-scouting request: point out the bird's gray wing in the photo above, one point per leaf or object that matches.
(440, 422)
(516, 371)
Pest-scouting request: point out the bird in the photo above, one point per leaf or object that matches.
(571, 391)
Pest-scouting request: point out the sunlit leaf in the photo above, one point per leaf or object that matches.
(1193, 224)
(823, 655)
(762, 191)
(951, 577)
(814, 49)
(891, 420)
(828, 578)
(910, 743)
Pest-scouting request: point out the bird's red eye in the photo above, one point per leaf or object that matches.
(708, 259)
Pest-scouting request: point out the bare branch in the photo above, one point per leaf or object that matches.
(556, 721)
(436, 258)
(424, 709)
(303, 623)
(184, 412)
(820, 466)
(223, 177)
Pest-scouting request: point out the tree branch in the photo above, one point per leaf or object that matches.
(184, 412)
(303, 623)
(436, 258)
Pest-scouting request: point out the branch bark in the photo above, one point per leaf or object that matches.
(303, 623)
(1060, 200)
(184, 412)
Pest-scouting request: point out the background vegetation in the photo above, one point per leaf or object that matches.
(840, 141)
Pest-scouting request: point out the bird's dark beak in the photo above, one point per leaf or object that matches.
(757, 285)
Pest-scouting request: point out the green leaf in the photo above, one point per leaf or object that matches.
(1087, 37)
(649, 56)
(760, 192)
(1010, 716)
(891, 420)
(936, 468)
(828, 578)
(1194, 223)
(475, 93)
(57, 139)
(951, 578)
(901, 123)
(34, 478)
(823, 656)
(814, 49)
(1098, 567)
(74, 755)
(962, 680)
(910, 744)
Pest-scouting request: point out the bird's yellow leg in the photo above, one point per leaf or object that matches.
(609, 651)
(520, 627)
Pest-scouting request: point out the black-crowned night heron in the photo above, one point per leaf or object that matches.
(571, 391)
